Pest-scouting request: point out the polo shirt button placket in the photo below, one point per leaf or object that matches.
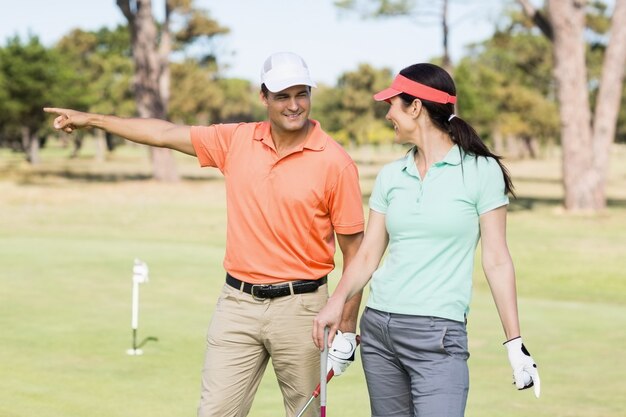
(420, 191)
(427, 177)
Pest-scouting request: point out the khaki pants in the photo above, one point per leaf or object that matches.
(244, 333)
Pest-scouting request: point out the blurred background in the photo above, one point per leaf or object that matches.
(541, 81)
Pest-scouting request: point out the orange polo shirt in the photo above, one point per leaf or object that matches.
(282, 212)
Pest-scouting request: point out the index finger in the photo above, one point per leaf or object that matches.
(537, 383)
(318, 333)
(315, 335)
(53, 110)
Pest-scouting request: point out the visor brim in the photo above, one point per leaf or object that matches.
(386, 94)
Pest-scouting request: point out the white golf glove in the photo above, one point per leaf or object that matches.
(341, 353)
(525, 373)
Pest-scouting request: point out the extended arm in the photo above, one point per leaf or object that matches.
(356, 275)
(153, 132)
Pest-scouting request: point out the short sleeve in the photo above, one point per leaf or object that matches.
(379, 201)
(212, 143)
(491, 194)
(346, 204)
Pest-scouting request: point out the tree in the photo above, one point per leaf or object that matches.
(4, 99)
(33, 78)
(586, 135)
(620, 134)
(201, 97)
(103, 59)
(505, 88)
(103, 64)
(151, 50)
(348, 110)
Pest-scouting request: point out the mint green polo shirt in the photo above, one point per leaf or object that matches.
(433, 227)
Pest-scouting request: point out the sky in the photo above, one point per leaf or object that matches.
(331, 41)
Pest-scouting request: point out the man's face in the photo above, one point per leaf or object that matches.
(288, 110)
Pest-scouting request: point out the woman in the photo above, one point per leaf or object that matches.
(431, 208)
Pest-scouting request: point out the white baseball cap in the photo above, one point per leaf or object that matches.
(283, 70)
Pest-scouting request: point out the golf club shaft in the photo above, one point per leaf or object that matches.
(316, 393)
(308, 403)
(323, 367)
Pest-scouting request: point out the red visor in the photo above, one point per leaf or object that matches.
(401, 84)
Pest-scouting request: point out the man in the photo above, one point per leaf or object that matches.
(290, 188)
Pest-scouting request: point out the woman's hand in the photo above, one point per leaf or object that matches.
(329, 316)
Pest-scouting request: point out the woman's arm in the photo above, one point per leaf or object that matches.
(355, 277)
(498, 267)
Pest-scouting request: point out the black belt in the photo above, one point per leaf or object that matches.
(262, 291)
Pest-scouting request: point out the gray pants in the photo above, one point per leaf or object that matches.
(415, 366)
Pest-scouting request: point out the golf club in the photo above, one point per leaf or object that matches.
(317, 390)
(323, 366)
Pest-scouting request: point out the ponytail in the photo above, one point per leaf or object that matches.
(464, 135)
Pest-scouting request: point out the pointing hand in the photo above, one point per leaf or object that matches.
(68, 120)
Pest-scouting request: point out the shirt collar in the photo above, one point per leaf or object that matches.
(409, 162)
(453, 157)
(316, 139)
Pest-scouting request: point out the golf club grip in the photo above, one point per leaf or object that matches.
(331, 373)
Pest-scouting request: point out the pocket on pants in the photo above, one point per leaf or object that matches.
(228, 293)
(313, 302)
(454, 342)
(432, 340)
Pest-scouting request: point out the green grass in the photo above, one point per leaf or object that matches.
(70, 229)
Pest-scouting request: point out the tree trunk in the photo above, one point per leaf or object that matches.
(165, 48)
(100, 145)
(585, 146)
(608, 101)
(77, 144)
(446, 61)
(570, 72)
(147, 84)
(30, 143)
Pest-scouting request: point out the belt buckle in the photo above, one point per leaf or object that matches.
(253, 294)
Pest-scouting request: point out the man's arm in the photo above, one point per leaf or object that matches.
(153, 132)
(349, 245)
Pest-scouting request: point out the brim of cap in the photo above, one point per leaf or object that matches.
(386, 94)
(276, 86)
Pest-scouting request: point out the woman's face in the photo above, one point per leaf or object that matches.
(403, 120)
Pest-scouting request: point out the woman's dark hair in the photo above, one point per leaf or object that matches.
(461, 132)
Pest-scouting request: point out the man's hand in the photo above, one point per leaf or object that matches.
(525, 373)
(341, 353)
(68, 120)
